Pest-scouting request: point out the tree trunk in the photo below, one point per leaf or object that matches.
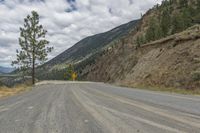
(33, 67)
(33, 72)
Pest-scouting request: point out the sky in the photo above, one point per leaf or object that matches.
(67, 21)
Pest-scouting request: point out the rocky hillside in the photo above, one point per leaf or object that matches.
(158, 53)
(170, 62)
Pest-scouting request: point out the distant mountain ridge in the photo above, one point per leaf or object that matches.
(91, 44)
(4, 70)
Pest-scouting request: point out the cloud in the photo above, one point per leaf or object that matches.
(67, 21)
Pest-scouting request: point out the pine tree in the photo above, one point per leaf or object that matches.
(158, 32)
(183, 3)
(150, 31)
(198, 5)
(165, 22)
(69, 72)
(195, 13)
(140, 40)
(153, 32)
(187, 19)
(33, 44)
(165, 3)
(177, 23)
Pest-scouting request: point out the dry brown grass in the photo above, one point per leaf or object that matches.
(5, 91)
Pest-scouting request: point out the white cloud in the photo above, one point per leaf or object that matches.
(67, 21)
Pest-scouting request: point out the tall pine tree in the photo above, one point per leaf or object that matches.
(33, 45)
(165, 22)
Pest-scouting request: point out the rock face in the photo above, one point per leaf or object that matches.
(169, 62)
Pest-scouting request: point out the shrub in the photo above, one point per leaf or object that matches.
(196, 76)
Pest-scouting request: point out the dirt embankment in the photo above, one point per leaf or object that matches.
(170, 62)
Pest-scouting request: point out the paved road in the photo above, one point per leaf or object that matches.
(59, 107)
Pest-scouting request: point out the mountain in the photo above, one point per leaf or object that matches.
(4, 70)
(162, 52)
(83, 50)
(92, 44)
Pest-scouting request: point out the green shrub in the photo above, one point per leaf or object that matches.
(1, 84)
(196, 76)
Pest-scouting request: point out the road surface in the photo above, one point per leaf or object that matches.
(84, 107)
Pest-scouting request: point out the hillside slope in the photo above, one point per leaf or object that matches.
(164, 60)
(170, 62)
(80, 52)
(90, 45)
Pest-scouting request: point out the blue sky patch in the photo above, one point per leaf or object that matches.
(72, 6)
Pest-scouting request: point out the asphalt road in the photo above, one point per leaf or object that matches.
(84, 107)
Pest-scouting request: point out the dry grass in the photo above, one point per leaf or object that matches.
(5, 91)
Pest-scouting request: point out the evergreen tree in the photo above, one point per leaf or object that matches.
(143, 39)
(33, 44)
(177, 23)
(158, 32)
(183, 3)
(198, 5)
(165, 3)
(150, 31)
(69, 72)
(154, 31)
(140, 40)
(186, 18)
(165, 22)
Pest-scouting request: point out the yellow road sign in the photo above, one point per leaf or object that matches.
(74, 76)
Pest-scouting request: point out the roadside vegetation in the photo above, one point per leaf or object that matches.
(10, 91)
(34, 50)
(70, 73)
(172, 16)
